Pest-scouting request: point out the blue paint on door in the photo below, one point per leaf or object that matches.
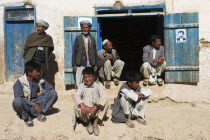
(18, 25)
(182, 58)
(71, 30)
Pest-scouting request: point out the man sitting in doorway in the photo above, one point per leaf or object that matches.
(91, 102)
(32, 97)
(110, 64)
(131, 101)
(154, 61)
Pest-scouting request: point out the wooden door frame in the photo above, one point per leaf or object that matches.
(5, 30)
(128, 14)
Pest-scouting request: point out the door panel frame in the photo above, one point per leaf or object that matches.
(13, 20)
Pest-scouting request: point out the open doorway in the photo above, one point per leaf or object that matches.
(129, 35)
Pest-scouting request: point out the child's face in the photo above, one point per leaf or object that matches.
(34, 74)
(133, 85)
(88, 79)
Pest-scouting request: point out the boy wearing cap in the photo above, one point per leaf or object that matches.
(38, 47)
(84, 52)
(131, 102)
(110, 65)
(91, 102)
(33, 97)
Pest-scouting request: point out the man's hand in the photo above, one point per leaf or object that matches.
(75, 68)
(39, 94)
(37, 108)
(84, 109)
(140, 95)
(110, 56)
(92, 109)
(95, 68)
(160, 60)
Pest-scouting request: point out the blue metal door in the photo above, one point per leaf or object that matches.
(71, 30)
(182, 57)
(19, 23)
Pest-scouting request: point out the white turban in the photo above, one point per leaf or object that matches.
(42, 23)
(105, 41)
(85, 22)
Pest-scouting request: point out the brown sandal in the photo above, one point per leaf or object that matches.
(107, 84)
(130, 124)
(116, 81)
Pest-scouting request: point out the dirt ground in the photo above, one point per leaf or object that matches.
(166, 120)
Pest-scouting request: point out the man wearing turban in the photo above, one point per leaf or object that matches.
(84, 52)
(38, 47)
(110, 65)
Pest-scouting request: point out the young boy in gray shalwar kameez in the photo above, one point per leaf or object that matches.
(131, 102)
(32, 97)
(91, 102)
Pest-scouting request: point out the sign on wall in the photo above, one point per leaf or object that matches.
(181, 36)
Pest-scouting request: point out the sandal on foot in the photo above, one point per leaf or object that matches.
(116, 81)
(29, 122)
(96, 130)
(145, 82)
(89, 128)
(141, 121)
(107, 84)
(41, 118)
(160, 81)
(130, 124)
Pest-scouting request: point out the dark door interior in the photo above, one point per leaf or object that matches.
(129, 35)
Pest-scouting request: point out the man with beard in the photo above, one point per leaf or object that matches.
(110, 65)
(39, 46)
(84, 52)
(154, 61)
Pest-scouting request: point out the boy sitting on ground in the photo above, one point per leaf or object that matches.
(32, 97)
(131, 102)
(91, 102)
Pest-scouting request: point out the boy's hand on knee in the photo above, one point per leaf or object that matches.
(140, 95)
(39, 94)
(37, 108)
(92, 109)
(84, 109)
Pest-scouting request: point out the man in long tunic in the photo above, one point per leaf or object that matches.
(32, 97)
(38, 47)
(110, 65)
(84, 52)
(91, 102)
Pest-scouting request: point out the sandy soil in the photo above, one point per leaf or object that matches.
(166, 120)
